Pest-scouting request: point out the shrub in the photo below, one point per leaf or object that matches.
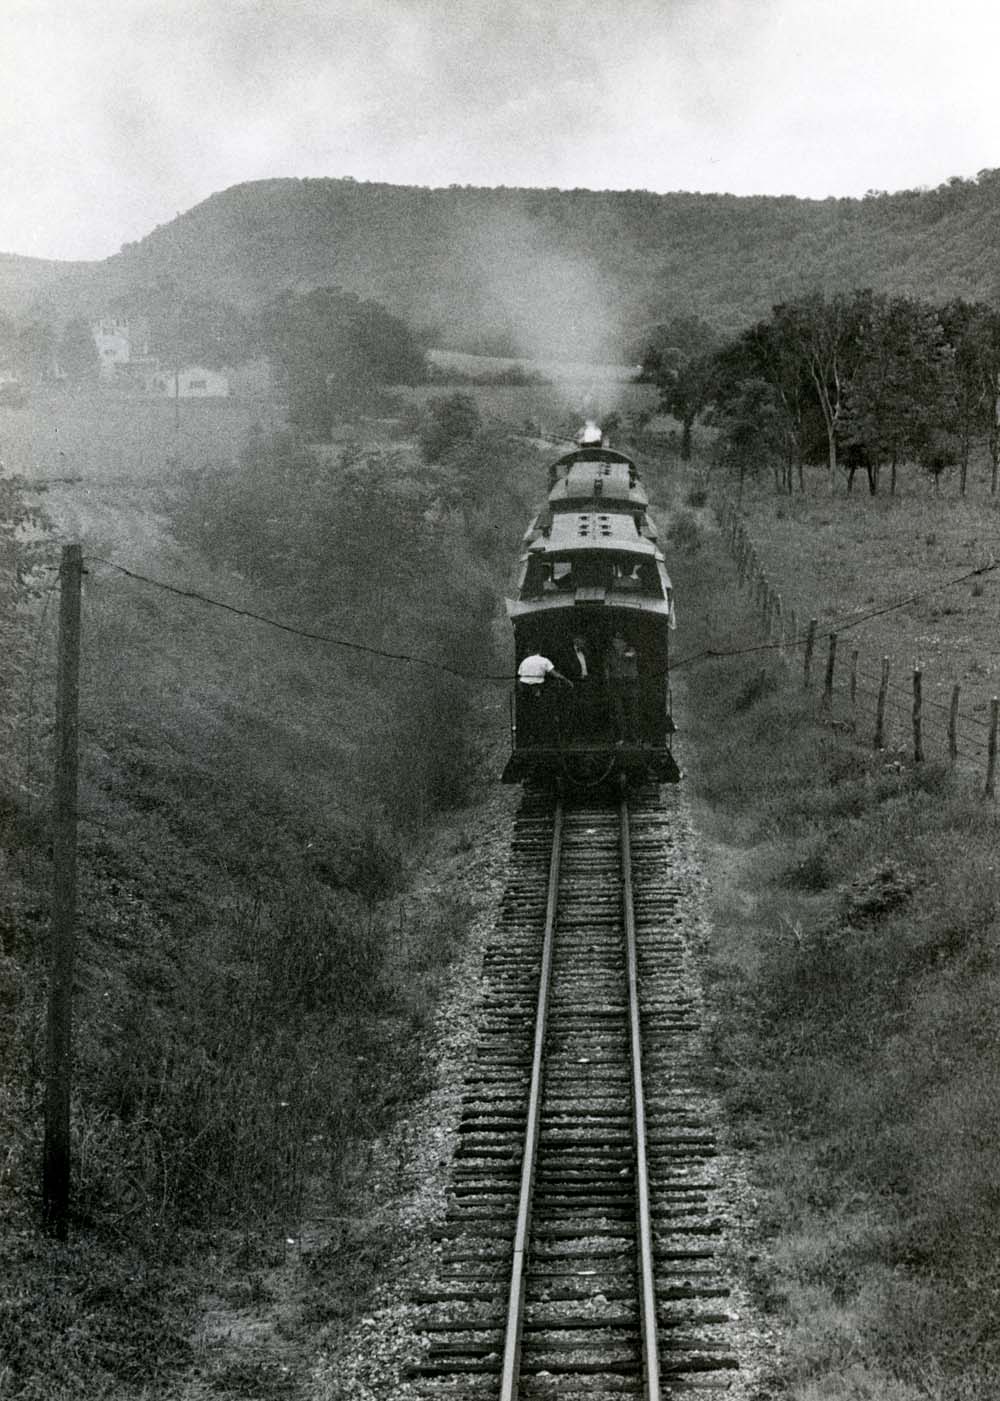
(448, 423)
(684, 533)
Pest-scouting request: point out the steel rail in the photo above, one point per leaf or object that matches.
(647, 1286)
(515, 1303)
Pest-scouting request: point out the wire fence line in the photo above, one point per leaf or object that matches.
(888, 693)
(783, 634)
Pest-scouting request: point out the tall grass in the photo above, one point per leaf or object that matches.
(253, 978)
(857, 971)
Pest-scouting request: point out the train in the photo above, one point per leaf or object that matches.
(592, 617)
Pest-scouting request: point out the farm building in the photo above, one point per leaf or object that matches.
(190, 382)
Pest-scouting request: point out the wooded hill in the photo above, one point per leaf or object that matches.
(578, 272)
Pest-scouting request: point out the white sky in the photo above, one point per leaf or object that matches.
(116, 115)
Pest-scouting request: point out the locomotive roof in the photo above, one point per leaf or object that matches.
(593, 453)
(594, 530)
(613, 481)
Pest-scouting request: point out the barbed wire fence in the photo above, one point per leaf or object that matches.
(798, 643)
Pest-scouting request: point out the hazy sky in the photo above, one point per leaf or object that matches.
(115, 115)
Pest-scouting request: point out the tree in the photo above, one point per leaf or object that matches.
(687, 394)
(448, 423)
(939, 451)
(973, 330)
(33, 350)
(666, 346)
(824, 334)
(751, 428)
(764, 353)
(77, 353)
(678, 357)
(903, 386)
(331, 350)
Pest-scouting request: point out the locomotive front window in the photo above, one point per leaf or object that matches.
(614, 573)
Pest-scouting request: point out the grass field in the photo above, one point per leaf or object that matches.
(576, 391)
(840, 558)
(95, 435)
(853, 963)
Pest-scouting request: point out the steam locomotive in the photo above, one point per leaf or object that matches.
(592, 621)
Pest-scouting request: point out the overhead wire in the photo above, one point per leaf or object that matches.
(351, 644)
(331, 639)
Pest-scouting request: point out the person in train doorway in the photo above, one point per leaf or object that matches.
(537, 709)
(622, 674)
(580, 670)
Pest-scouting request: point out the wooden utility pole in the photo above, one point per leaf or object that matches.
(56, 1169)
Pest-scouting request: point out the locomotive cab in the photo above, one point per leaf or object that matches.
(595, 601)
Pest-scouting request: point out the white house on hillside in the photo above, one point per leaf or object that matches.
(123, 347)
(122, 344)
(190, 382)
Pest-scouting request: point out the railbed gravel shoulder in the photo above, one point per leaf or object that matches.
(373, 1361)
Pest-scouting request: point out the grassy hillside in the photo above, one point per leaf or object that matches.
(24, 280)
(573, 273)
(254, 969)
(855, 966)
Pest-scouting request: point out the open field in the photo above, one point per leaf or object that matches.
(93, 434)
(101, 461)
(563, 371)
(854, 969)
(840, 558)
(577, 391)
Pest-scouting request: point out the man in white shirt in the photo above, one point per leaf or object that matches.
(534, 714)
(534, 670)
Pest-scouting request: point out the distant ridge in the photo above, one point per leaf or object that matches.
(23, 279)
(542, 270)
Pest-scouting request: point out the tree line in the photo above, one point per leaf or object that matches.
(857, 381)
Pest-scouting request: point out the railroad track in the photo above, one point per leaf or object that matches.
(579, 1253)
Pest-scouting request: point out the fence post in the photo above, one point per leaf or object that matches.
(918, 711)
(956, 691)
(810, 644)
(883, 691)
(831, 658)
(854, 686)
(991, 753)
(58, 1041)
